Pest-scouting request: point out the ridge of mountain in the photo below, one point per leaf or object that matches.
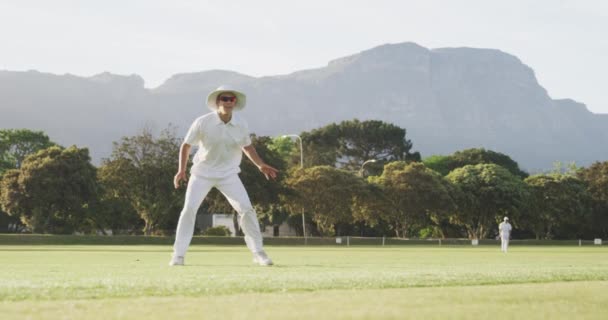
(448, 99)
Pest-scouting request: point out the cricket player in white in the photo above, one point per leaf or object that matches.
(504, 228)
(221, 137)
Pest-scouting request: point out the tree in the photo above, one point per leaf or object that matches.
(8, 223)
(16, 144)
(370, 204)
(487, 192)
(596, 178)
(373, 139)
(263, 192)
(141, 171)
(414, 194)
(560, 203)
(445, 164)
(569, 169)
(441, 164)
(349, 144)
(113, 212)
(321, 146)
(52, 190)
(287, 149)
(326, 194)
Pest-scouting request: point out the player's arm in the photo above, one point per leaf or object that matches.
(267, 170)
(184, 154)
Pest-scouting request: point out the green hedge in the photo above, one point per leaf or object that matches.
(43, 239)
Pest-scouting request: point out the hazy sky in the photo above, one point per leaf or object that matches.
(565, 42)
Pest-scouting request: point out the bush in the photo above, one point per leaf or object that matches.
(220, 231)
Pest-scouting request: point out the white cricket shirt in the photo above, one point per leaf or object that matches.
(219, 145)
(505, 229)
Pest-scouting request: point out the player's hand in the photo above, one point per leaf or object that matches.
(268, 171)
(179, 177)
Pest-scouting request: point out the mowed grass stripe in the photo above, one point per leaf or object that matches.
(85, 272)
(560, 300)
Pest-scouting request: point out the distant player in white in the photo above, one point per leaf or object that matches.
(504, 229)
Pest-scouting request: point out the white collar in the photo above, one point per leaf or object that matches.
(234, 121)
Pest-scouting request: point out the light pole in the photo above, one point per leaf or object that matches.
(301, 166)
(363, 165)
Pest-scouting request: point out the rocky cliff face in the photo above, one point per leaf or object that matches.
(448, 99)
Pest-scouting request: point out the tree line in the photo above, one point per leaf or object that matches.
(358, 178)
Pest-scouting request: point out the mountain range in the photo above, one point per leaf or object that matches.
(448, 99)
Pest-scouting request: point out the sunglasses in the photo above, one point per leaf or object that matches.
(228, 99)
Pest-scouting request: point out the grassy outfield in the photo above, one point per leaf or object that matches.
(220, 282)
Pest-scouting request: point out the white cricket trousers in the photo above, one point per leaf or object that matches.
(232, 188)
(504, 244)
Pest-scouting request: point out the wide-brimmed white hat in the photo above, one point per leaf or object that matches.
(241, 98)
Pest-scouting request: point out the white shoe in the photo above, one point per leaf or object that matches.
(262, 259)
(176, 261)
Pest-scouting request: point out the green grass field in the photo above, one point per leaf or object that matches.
(220, 282)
